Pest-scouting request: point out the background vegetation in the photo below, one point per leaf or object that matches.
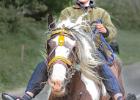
(22, 30)
(124, 13)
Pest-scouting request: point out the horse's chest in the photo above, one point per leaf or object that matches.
(76, 90)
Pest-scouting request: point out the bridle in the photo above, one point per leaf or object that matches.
(68, 63)
(61, 40)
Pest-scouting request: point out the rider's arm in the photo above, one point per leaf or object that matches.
(111, 29)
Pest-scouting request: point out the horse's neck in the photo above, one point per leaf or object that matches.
(93, 88)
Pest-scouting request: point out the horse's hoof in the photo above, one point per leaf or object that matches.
(6, 96)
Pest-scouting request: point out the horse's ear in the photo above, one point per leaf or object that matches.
(51, 22)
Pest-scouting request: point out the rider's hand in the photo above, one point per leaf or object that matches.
(101, 28)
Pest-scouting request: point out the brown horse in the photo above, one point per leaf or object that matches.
(66, 48)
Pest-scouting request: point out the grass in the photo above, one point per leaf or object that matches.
(19, 52)
(14, 72)
(129, 43)
(15, 68)
(120, 10)
(17, 32)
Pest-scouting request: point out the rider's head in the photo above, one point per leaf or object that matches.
(83, 2)
(86, 3)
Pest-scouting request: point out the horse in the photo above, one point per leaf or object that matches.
(73, 64)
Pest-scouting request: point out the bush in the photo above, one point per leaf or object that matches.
(20, 45)
(124, 13)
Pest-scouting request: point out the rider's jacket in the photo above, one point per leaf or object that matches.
(93, 14)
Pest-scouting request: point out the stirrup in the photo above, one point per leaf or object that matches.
(6, 96)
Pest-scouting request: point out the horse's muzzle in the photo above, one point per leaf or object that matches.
(60, 93)
(57, 88)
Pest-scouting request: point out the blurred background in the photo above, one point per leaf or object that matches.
(23, 24)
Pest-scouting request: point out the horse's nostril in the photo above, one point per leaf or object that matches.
(57, 85)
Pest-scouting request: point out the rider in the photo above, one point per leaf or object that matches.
(108, 31)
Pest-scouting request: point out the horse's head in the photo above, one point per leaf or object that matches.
(61, 58)
(69, 44)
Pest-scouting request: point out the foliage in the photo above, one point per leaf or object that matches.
(125, 13)
(20, 45)
(18, 31)
(129, 44)
(50, 5)
(58, 5)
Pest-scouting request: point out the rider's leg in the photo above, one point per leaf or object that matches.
(35, 84)
(111, 83)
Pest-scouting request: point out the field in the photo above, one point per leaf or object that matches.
(20, 53)
(22, 39)
(129, 43)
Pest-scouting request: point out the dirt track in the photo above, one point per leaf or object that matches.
(131, 74)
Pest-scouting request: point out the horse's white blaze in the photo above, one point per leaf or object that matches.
(62, 51)
(59, 72)
(91, 87)
(67, 39)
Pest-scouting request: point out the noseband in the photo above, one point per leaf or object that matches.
(67, 62)
(59, 58)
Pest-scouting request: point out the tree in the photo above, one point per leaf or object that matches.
(36, 8)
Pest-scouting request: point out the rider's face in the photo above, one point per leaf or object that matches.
(84, 1)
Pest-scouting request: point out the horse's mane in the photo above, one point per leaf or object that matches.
(87, 51)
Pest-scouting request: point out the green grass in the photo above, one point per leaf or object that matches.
(17, 31)
(15, 69)
(129, 42)
(15, 73)
(124, 13)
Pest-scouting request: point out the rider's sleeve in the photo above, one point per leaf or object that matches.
(112, 32)
(64, 14)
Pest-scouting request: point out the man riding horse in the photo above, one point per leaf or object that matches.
(108, 31)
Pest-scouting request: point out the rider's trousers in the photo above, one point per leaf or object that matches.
(40, 75)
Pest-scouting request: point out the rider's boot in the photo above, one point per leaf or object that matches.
(6, 96)
(118, 96)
